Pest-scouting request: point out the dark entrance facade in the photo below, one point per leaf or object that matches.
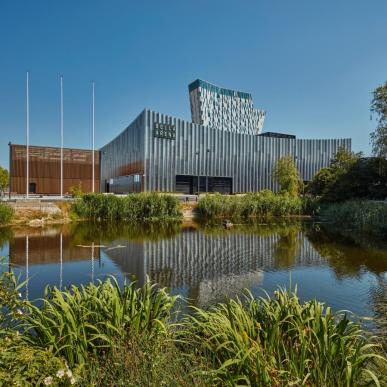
(188, 184)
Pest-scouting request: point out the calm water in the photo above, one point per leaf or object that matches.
(205, 263)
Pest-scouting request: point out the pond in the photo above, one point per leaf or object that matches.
(205, 263)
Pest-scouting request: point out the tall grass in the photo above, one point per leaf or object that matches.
(83, 320)
(280, 341)
(364, 216)
(139, 206)
(6, 213)
(126, 336)
(262, 204)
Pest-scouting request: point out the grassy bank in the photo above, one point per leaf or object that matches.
(262, 204)
(105, 334)
(6, 213)
(139, 206)
(362, 216)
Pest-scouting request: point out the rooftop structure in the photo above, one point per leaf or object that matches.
(224, 109)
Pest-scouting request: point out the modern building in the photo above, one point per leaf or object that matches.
(45, 167)
(224, 109)
(222, 150)
(157, 152)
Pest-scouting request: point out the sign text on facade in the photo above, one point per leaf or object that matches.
(167, 131)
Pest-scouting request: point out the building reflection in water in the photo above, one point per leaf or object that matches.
(208, 266)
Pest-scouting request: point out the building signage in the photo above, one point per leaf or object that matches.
(167, 131)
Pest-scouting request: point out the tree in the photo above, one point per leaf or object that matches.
(321, 182)
(344, 160)
(286, 175)
(379, 107)
(4, 179)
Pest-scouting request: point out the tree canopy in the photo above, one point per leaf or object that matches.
(351, 176)
(4, 178)
(285, 173)
(379, 107)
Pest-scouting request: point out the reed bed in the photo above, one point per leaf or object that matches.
(84, 320)
(138, 206)
(107, 334)
(280, 341)
(360, 215)
(262, 204)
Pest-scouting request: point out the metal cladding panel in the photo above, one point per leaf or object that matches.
(124, 155)
(248, 159)
(45, 167)
(199, 150)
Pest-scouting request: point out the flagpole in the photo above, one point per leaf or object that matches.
(28, 135)
(93, 139)
(61, 136)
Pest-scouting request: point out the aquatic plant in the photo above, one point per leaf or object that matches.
(137, 206)
(83, 320)
(262, 204)
(360, 215)
(281, 341)
(126, 335)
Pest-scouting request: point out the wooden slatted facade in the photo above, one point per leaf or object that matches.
(44, 169)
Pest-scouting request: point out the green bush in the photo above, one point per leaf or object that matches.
(280, 341)
(262, 204)
(365, 216)
(139, 206)
(24, 365)
(6, 213)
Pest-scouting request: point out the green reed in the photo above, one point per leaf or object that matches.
(83, 320)
(365, 216)
(262, 204)
(138, 206)
(281, 341)
(126, 335)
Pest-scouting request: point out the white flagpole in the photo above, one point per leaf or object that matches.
(61, 136)
(93, 141)
(28, 135)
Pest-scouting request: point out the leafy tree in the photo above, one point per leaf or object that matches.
(285, 173)
(379, 107)
(343, 160)
(321, 182)
(4, 178)
(351, 176)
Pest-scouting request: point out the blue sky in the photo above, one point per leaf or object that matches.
(312, 65)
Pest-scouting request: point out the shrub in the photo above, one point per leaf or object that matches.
(279, 341)
(139, 206)
(6, 213)
(25, 365)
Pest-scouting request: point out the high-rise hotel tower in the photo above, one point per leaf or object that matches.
(224, 109)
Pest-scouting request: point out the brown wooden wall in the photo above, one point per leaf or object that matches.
(44, 168)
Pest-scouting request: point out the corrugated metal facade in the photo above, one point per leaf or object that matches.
(198, 150)
(124, 155)
(44, 169)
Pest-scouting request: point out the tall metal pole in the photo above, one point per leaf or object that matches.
(61, 136)
(27, 266)
(61, 261)
(28, 136)
(93, 141)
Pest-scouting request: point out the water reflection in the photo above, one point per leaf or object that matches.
(204, 263)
